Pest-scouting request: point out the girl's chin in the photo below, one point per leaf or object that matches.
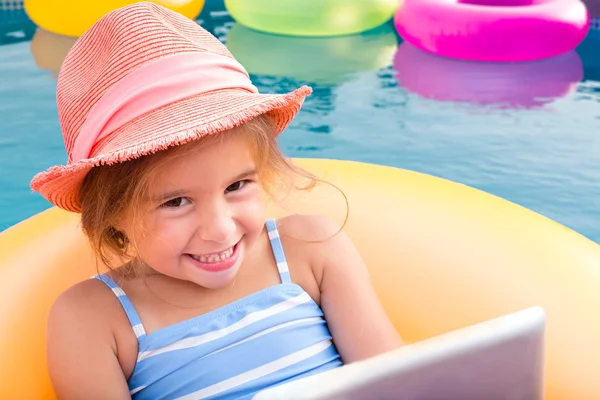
(216, 280)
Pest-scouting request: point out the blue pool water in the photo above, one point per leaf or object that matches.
(529, 133)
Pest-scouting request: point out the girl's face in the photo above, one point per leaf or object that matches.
(205, 213)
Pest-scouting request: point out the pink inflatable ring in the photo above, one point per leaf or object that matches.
(493, 30)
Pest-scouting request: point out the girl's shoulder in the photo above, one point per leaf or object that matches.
(84, 345)
(92, 308)
(355, 317)
(90, 301)
(90, 314)
(308, 240)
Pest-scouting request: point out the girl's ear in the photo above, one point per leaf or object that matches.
(123, 229)
(120, 237)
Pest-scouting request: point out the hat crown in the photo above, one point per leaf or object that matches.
(118, 44)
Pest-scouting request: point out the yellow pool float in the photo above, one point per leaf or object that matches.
(442, 256)
(74, 17)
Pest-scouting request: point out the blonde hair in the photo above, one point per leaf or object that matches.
(111, 194)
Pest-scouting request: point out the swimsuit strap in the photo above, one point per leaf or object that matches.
(282, 265)
(132, 315)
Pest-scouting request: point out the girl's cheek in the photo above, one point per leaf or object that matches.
(256, 200)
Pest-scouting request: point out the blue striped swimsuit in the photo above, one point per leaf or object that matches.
(273, 336)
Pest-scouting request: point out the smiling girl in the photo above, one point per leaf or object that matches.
(172, 155)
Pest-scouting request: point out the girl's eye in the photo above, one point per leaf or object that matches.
(174, 203)
(236, 186)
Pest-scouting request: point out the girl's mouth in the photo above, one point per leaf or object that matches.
(216, 262)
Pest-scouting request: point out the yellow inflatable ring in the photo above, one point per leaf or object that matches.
(442, 256)
(74, 17)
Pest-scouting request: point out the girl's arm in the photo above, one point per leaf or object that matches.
(82, 351)
(356, 319)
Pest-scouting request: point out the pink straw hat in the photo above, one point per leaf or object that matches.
(142, 79)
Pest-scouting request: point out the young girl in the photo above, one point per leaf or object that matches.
(171, 153)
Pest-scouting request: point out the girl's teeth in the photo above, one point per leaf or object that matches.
(214, 257)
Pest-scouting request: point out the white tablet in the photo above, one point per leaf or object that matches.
(501, 358)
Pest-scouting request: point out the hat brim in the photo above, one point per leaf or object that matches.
(175, 124)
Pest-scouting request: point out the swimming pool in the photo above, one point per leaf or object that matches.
(529, 133)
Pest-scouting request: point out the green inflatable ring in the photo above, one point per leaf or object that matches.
(323, 61)
(312, 17)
